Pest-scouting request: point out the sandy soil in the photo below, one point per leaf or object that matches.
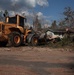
(36, 61)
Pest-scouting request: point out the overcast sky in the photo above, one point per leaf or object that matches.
(48, 9)
(22, 5)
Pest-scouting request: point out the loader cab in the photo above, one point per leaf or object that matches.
(17, 19)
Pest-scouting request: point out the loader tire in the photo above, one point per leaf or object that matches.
(15, 39)
(32, 39)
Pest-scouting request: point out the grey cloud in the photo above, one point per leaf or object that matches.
(42, 2)
(5, 4)
(21, 4)
(16, 4)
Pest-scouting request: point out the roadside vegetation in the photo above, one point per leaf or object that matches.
(63, 43)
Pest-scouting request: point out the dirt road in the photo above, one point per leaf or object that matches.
(36, 61)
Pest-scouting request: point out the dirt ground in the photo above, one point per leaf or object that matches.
(36, 61)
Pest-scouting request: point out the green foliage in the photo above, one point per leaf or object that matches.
(68, 17)
(54, 25)
(6, 14)
(65, 42)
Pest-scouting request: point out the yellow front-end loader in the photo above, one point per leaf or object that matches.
(14, 33)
